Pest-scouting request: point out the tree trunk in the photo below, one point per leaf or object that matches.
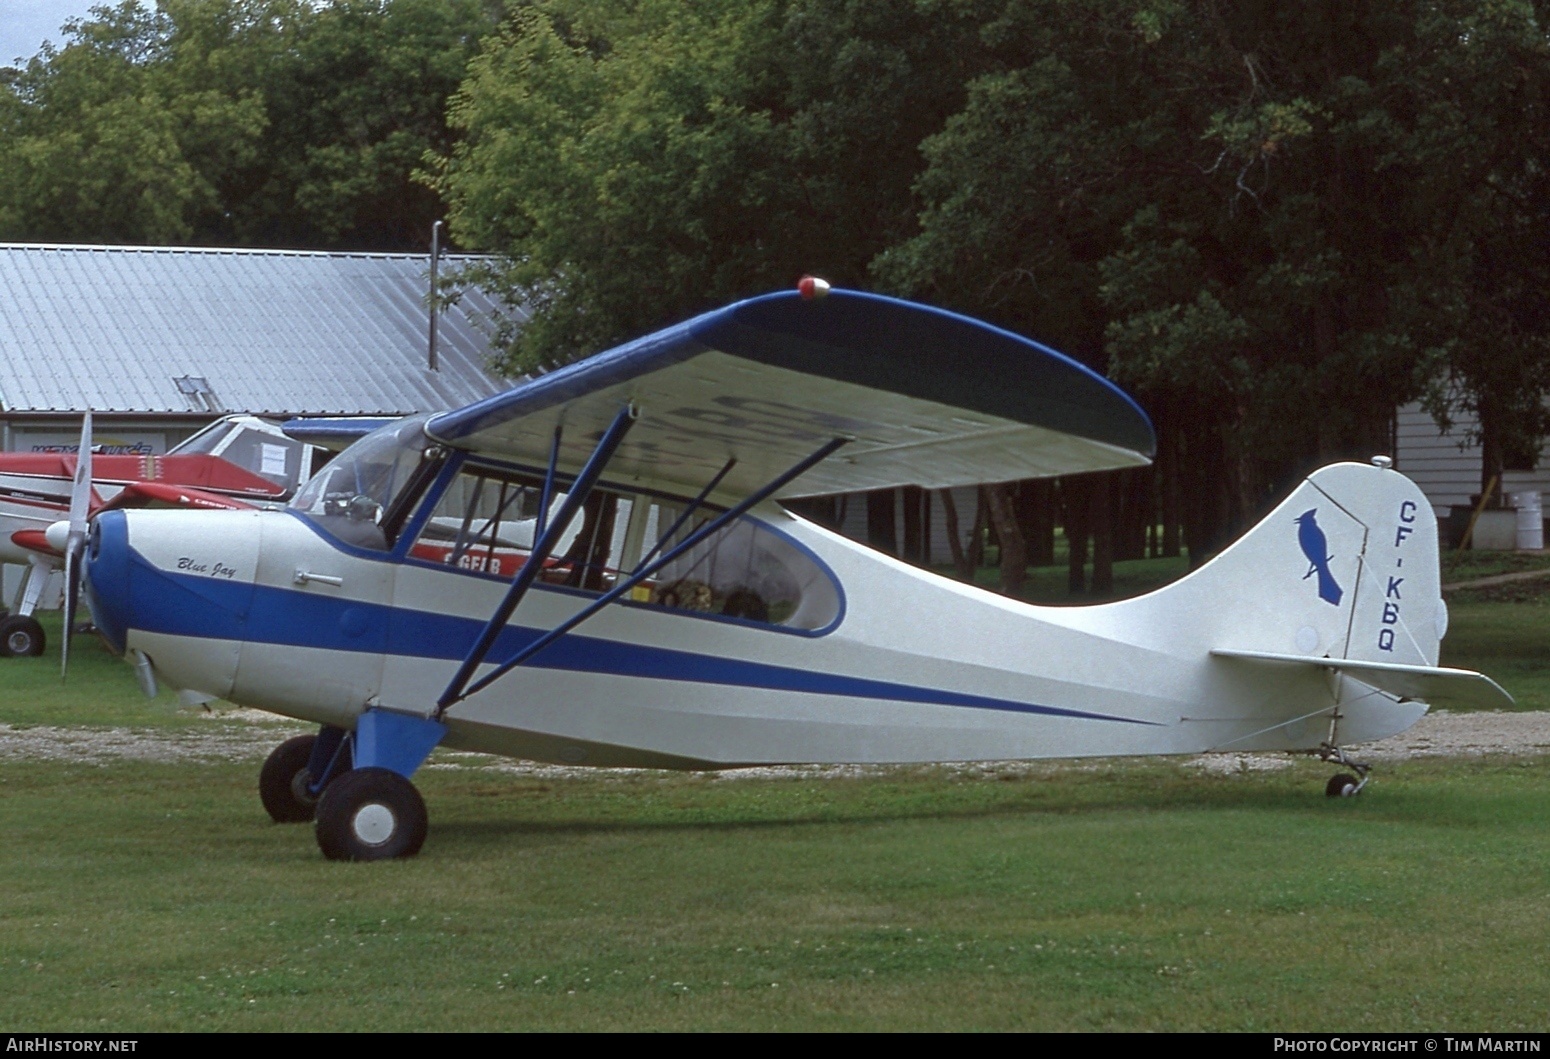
(1014, 552)
(1102, 522)
(880, 532)
(1492, 460)
(1168, 487)
(954, 538)
(975, 557)
(914, 535)
(1075, 517)
(1133, 489)
(1036, 515)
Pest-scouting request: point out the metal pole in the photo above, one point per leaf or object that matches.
(542, 548)
(687, 512)
(547, 494)
(435, 309)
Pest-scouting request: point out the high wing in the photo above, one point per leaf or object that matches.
(929, 398)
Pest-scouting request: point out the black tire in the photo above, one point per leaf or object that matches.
(20, 638)
(1343, 785)
(283, 781)
(371, 814)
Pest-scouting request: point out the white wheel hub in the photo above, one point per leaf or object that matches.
(373, 824)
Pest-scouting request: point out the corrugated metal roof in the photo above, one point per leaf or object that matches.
(272, 331)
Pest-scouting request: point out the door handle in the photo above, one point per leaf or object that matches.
(301, 577)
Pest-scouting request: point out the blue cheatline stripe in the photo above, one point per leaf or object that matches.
(184, 605)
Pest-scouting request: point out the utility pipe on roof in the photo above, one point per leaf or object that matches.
(435, 310)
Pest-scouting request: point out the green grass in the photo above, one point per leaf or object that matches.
(1101, 895)
(1465, 566)
(1141, 895)
(100, 689)
(1507, 641)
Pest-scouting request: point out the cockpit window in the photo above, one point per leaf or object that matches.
(485, 524)
(352, 498)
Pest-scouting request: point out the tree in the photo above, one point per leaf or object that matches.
(1276, 221)
(637, 163)
(276, 122)
(98, 146)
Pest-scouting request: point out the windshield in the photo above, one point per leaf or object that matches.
(349, 497)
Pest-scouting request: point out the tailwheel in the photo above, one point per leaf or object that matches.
(20, 637)
(1343, 784)
(371, 814)
(284, 783)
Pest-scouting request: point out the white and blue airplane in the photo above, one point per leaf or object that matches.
(593, 568)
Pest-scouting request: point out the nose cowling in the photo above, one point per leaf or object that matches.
(177, 585)
(107, 578)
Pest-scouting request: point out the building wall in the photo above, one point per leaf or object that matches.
(965, 499)
(1447, 468)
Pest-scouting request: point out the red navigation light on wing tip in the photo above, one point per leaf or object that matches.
(811, 287)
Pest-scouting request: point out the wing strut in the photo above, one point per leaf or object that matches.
(542, 548)
(687, 512)
(639, 574)
(548, 491)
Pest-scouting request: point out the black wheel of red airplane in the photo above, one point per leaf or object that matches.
(1342, 785)
(20, 637)
(284, 779)
(371, 814)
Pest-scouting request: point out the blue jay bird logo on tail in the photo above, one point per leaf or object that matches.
(1316, 548)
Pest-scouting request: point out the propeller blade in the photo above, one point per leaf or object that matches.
(80, 510)
(70, 600)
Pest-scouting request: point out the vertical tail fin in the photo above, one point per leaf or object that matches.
(1345, 567)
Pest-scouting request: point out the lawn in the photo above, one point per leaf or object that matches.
(1138, 895)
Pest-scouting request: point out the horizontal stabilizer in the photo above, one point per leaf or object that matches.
(1432, 684)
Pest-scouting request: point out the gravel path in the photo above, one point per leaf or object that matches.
(248, 735)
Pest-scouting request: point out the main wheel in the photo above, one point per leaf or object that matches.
(20, 637)
(371, 814)
(1342, 785)
(284, 780)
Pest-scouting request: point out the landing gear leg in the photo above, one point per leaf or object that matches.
(20, 634)
(1343, 784)
(296, 772)
(373, 812)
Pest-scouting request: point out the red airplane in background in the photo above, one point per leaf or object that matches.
(238, 461)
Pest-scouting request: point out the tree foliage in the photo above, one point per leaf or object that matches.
(1273, 221)
(639, 161)
(1280, 220)
(274, 122)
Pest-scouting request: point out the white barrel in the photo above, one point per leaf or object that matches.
(1531, 520)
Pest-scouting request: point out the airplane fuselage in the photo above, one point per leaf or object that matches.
(268, 609)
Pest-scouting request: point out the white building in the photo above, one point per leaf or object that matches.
(159, 341)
